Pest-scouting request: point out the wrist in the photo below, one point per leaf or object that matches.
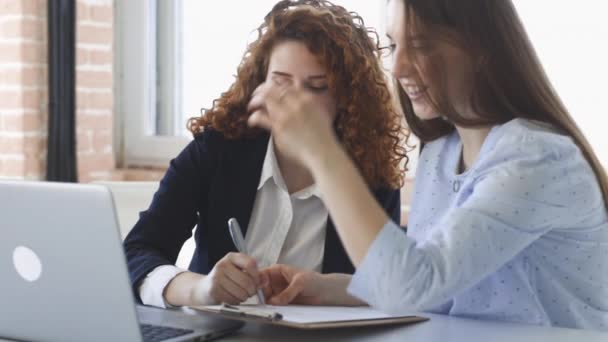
(331, 155)
(198, 293)
(332, 288)
(182, 289)
(325, 288)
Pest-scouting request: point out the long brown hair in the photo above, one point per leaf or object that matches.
(367, 121)
(508, 82)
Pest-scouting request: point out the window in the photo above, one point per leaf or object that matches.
(175, 57)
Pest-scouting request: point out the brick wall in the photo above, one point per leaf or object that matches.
(94, 89)
(23, 88)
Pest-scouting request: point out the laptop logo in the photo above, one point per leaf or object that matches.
(27, 263)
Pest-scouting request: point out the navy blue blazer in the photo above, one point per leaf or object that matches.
(210, 181)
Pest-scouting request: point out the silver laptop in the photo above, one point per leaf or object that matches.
(63, 275)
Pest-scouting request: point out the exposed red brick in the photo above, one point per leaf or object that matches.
(102, 14)
(94, 79)
(11, 145)
(100, 57)
(90, 34)
(24, 104)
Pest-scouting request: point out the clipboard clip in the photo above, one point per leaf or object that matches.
(250, 312)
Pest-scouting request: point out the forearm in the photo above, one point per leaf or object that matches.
(334, 292)
(181, 290)
(357, 215)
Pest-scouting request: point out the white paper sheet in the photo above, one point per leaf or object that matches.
(315, 314)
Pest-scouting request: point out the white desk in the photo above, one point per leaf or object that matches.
(440, 328)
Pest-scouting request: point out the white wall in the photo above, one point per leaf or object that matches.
(571, 39)
(218, 33)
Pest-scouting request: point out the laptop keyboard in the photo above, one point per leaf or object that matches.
(157, 333)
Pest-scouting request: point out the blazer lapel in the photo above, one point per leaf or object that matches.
(234, 192)
(245, 177)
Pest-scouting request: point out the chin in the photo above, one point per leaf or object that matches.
(426, 113)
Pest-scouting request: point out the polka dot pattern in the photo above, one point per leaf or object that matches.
(524, 238)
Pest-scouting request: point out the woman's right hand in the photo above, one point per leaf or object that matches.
(232, 280)
(289, 285)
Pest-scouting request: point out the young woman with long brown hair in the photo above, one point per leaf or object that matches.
(233, 170)
(508, 218)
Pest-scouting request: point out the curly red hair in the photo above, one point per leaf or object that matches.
(367, 121)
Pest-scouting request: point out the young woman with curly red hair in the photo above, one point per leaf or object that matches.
(233, 170)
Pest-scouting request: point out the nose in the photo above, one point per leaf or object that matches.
(294, 83)
(402, 66)
(298, 85)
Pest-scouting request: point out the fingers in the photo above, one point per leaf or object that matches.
(233, 279)
(257, 99)
(260, 119)
(222, 288)
(235, 290)
(266, 288)
(296, 286)
(276, 282)
(272, 106)
(267, 282)
(260, 94)
(264, 279)
(214, 289)
(275, 99)
(247, 264)
(241, 280)
(221, 295)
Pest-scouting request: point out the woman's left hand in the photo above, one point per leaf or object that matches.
(287, 285)
(301, 125)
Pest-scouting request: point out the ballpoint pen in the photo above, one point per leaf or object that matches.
(239, 243)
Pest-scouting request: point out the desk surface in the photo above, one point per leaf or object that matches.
(440, 328)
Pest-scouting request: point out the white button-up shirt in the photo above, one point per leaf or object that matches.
(284, 228)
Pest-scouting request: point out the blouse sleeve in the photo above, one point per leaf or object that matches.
(511, 204)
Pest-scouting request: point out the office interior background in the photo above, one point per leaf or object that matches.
(143, 67)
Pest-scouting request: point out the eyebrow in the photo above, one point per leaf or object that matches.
(279, 73)
(389, 36)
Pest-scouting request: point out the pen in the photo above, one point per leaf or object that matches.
(239, 243)
(244, 312)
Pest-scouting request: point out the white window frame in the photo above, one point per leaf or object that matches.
(135, 84)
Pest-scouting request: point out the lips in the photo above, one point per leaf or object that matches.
(414, 92)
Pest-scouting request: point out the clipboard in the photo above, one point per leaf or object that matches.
(288, 316)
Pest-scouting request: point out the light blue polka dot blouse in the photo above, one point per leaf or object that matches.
(522, 236)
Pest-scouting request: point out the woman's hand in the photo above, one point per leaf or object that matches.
(232, 280)
(299, 123)
(304, 129)
(289, 285)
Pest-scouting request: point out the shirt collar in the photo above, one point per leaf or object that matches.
(268, 166)
(271, 171)
(310, 191)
